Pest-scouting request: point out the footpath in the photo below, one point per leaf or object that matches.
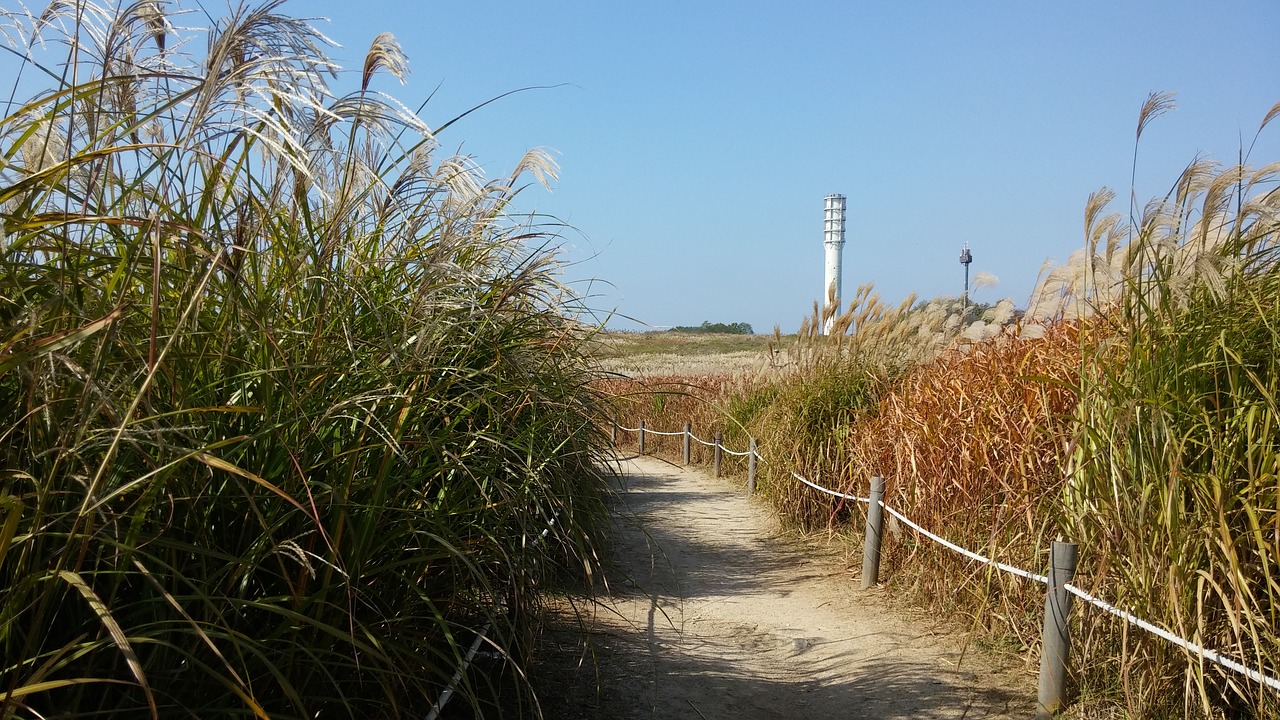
(715, 612)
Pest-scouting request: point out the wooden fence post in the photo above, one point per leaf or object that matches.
(641, 441)
(751, 467)
(719, 440)
(687, 435)
(871, 542)
(1056, 649)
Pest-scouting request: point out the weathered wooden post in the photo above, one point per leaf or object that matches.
(613, 432)
(719, 439)
(687, 435)
(640, 443)
(751, 467)
(1057, 631)
(871, 543)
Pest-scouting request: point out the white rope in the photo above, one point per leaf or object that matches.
(1187, 645)
(457, 676)
(760, 458)
(1128, 617)
(475, 646)
(815, 486)
(967, 553)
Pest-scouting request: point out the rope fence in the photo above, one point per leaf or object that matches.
(1053, 661)
(445, 696)
(1043, 580)
(816, 486)
(1187, 645)
(642, 429)
(717, 445)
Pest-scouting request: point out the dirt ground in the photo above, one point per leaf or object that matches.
(715, 612)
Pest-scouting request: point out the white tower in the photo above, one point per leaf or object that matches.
(833, 241)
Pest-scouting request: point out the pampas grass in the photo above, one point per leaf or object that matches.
(1132, 408)
(290, 404)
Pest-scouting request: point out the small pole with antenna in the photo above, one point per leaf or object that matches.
(966, 257)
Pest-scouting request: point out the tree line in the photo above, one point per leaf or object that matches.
(739, 328)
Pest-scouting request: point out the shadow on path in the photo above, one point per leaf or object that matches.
(715, 613)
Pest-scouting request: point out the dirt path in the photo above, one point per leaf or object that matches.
(716, 614)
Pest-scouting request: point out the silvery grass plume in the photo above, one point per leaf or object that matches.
(894, 338)
(1193, 237)
(284, 394)
(1172, 467)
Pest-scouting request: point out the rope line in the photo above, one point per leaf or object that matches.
(1187, 645)
(1191, 647)
(946, 543)
(694, 437)
(816, 486)
(475, 646)
(967, 553)
(457, 676)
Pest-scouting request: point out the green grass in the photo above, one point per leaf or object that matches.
(1172, 489)
(1134, 410)
(626, 344)
(287, 398)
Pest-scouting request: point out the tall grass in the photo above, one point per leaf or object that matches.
(287, 398)
(971, 445)
(1172, 488)
(1135, 414)
(1134, 409)
(810, 412)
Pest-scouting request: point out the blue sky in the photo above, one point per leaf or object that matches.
(698, 139)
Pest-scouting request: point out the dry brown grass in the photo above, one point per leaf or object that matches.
(1132, 410)
(974, 446)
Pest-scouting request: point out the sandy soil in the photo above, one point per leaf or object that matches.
(716, 613)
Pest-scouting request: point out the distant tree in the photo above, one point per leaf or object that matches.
(739, 328)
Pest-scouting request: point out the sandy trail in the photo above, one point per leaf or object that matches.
(716, 614)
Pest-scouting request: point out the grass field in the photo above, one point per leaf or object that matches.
(658, 353)
(1133, 409)
(291, 409)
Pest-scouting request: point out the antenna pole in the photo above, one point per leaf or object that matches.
(966, 257)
